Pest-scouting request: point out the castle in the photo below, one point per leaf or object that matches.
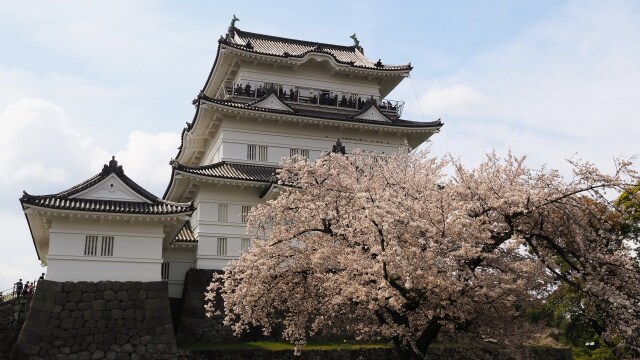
(265, 98)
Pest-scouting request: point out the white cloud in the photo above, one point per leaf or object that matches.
(456, 100)
(567, 86)
(146, 159)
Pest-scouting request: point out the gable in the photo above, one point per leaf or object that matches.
(272, 102)
(111, 188)
(372, 113)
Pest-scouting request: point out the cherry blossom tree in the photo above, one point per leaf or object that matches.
(409, 247)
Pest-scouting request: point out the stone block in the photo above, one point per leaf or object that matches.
(109, 295)
(112, 305)
(98, 355)
(75, 296)
(61, 298)
(62, 357)
(146, 339)
(116, 286)
(77, 314)
(87, 314)
(121, 339)
(130, 314)
(68, 323)
(88, 297)
(126, 305)
(99, 305)
(142, 294)
(84, 355)
(122, 295)
(111, 355)
(91, 287)
(117, 314)
(84, 306)
(68, 286)
(97, 314)
(71, 306)
(81, 286)
(127, 348)
(57, 309)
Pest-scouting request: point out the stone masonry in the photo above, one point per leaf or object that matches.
(12, 316)
(194, 325)
(98, 320)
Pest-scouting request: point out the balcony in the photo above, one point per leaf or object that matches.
(325, 99)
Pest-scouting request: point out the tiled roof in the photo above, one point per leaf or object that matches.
(292, 48)
(64, 200)
(186, 235)
(231, 171)
(325, 114)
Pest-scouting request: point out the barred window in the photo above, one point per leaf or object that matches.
(245, 244)
(222, 246)
(165, 271)
(244, 215)
(90, 245)
(107, 246)
(223, 212)
(301, 152)
(251, 152)
(262, 154)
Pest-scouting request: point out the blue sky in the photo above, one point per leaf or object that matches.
(83, 80)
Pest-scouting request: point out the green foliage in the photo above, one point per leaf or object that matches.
(630, 199)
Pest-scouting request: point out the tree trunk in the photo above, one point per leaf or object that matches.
(422, 343)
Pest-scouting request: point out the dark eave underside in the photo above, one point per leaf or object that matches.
(186, 235)
(232, 171)
(325, 115)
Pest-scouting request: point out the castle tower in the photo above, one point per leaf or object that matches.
(266, 98)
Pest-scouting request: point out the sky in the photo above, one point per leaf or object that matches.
(83, 80)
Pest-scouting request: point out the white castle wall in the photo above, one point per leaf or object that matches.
(137, 251)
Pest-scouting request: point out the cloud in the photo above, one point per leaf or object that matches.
(146, 159)
(39, 144)
(455, 100)
(566, 86)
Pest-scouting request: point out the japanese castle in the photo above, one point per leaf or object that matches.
(265, 98)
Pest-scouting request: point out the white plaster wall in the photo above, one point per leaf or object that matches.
(137, 251)
(180, 260)
(236, 134)
(209, 229)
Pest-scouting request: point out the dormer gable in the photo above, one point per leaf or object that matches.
(371, 113)
(272, 102)
(111, 188)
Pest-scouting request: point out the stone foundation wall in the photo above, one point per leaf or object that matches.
(193, 324)
(12, 316)
(98, 320)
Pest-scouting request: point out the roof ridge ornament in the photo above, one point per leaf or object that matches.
(338, 148)
(233, 22)
(356, 43)
(113, 167)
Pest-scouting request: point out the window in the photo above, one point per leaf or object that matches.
(262, 153)
(165, 271)
(251, 152)
(301, 152)
(222, 246)
(255, 152)
(245, 244)
(90, 245)
(223, 212)
(107, 246)
(244, 215)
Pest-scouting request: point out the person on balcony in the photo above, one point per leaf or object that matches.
(19, 287)
(292, 94)
(247, 90)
